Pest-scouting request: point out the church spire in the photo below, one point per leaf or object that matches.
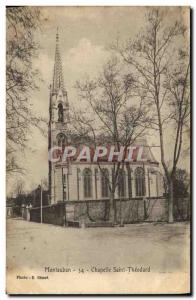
(58, 82)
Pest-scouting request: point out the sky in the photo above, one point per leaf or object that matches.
(85, 34)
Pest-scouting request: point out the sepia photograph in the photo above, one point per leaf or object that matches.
(98, 150)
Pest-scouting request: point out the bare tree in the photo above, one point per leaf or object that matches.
(111, 117)
(21, 80)
(163, 74)
(19, 188)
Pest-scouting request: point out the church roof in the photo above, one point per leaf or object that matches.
(147, 154)
(58, 81)
(79, 142)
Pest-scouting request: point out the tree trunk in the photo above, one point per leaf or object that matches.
(171, 202)
(112, 210)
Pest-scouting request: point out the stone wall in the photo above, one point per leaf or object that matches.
(128, 211)
(155, 209)
(90, 211)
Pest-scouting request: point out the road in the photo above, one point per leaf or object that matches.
(33, 246)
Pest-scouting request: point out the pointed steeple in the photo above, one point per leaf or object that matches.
(58, 82)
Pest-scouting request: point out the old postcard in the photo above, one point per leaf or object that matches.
(98, 150)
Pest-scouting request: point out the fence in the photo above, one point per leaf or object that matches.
(51, 214)
(128, 211)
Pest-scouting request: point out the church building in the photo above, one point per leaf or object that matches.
(82, 180)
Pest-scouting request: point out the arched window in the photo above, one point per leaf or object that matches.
(104, 183)
(87, 176)
(61, 140)
(139, 182)
(60, 113)
(121, 183)
(64, 186)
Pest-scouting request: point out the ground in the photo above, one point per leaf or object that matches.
(163, 247)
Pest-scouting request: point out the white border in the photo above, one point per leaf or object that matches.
(102, 2)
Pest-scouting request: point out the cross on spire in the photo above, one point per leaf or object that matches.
(58, 81)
